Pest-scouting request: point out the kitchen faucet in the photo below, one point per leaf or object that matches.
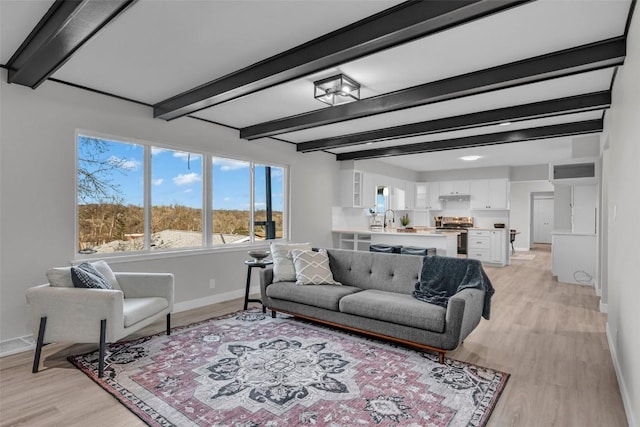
(393, 217)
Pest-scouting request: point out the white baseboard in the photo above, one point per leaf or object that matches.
(213, 299)
(17, 345)
(603, 307)
(624, 392)
(27, 343)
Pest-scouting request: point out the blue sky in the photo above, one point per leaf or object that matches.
(177, 177)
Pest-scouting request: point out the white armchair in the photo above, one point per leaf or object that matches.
(63, 313)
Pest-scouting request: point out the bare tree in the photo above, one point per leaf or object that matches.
(95, 168)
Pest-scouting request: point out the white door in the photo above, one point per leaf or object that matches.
(542, 220)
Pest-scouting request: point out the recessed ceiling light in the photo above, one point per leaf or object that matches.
(504, 124)
(369, 143)
(470, 158)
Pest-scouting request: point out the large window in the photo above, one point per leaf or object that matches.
(231, 213)
(139, 197)
(110, 183)
(176, 199)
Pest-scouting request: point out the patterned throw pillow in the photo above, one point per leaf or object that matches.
(283, 269)
(312, 268)
(85, 275)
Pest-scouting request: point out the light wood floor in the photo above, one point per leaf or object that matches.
(549, 336)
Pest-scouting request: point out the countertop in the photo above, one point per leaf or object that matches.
(570, 233)
(431, 232)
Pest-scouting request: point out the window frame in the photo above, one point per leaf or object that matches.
(207, 202)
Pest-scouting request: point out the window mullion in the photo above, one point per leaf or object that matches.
(252, 195)
(207, 200)
(147, 197)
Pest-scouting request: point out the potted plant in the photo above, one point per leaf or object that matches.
(404, 220)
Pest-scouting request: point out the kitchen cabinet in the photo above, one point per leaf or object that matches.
(409, 195)
(368, 190)
(427, 196)
(454, 188)
(489, 194)
(498, 246)
(357, 189)
(488, 246)
(351, 188)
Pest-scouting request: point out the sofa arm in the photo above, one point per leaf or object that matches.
(74, 314)
(266, 278)
(465, 311)
(142, 285)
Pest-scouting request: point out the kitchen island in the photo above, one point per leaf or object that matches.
(446, 243)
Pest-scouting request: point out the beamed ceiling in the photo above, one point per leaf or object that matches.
(512, 81)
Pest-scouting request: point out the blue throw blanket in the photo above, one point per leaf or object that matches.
(443, 277)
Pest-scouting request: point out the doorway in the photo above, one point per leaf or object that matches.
(542, 217)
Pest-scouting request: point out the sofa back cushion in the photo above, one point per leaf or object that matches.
(372, 270)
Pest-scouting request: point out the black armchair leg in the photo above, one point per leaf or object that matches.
(39, 344)
(103, 333)
(168, 323)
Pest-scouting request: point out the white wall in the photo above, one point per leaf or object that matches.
(520, 215)
(37, 184)
(623, 195)
(562, 208)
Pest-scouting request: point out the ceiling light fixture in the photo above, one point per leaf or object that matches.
(504, 124)
(470, 158)
(336, 90)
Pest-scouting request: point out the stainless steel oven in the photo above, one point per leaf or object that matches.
(461, 224)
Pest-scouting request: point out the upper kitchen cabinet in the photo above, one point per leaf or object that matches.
(454, 188)
(409, 195)
(427, 196)
(489, 194)
(357, 188)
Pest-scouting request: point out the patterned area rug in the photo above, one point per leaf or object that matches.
(247, 369)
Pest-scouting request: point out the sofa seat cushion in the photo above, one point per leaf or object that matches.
(396, 308)
(323, 296)
(137, 309)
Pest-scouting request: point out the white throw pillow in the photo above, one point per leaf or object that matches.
(312, 268)
(283, 269)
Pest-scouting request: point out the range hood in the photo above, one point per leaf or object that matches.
(460, 197)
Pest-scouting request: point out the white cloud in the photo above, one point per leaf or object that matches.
(157, 150)
(187, 156)
(229, 164)
(186, 179)
(128, 164)
(260, 205)
(227, 199)
(157, 182)
(188, 190)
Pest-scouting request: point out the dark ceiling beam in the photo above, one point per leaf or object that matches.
(65, 27)
(554, 131)
(584, 58)
(400, 24)
(554, 107)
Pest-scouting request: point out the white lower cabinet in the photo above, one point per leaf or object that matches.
(488, 246)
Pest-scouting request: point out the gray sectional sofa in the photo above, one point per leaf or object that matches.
(376, 298)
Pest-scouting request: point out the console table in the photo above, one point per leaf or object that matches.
(251, 264)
